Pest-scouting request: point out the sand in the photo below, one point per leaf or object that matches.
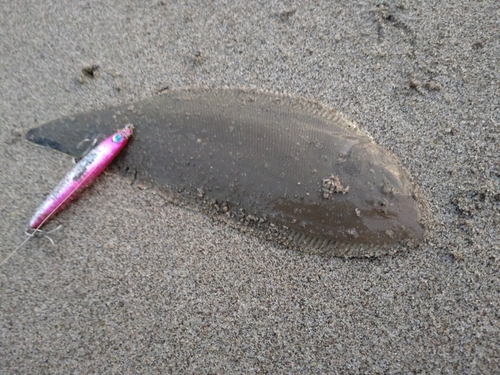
(135, 284)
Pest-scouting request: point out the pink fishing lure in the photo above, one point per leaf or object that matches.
(82, 175)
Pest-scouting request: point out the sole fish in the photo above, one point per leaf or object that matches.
(288, 169)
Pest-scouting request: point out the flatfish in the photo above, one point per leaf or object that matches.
(287, 169)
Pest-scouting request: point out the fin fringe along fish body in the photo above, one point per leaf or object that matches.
(81, 176)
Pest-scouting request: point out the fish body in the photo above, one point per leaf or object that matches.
(82, 175)
(288, 169)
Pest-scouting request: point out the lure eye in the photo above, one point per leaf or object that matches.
(117, 138)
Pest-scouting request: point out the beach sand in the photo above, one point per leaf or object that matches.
(135, 284)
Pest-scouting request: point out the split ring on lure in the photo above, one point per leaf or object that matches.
(81, 176)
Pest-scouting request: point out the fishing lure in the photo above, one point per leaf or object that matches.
(81, 176)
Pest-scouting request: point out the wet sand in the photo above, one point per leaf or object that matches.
(136, 284)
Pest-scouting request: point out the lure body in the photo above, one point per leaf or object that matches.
(82, 175)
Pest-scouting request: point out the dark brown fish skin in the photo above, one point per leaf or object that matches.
(264, 157)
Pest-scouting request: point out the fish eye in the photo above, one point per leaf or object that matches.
(117, 137)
